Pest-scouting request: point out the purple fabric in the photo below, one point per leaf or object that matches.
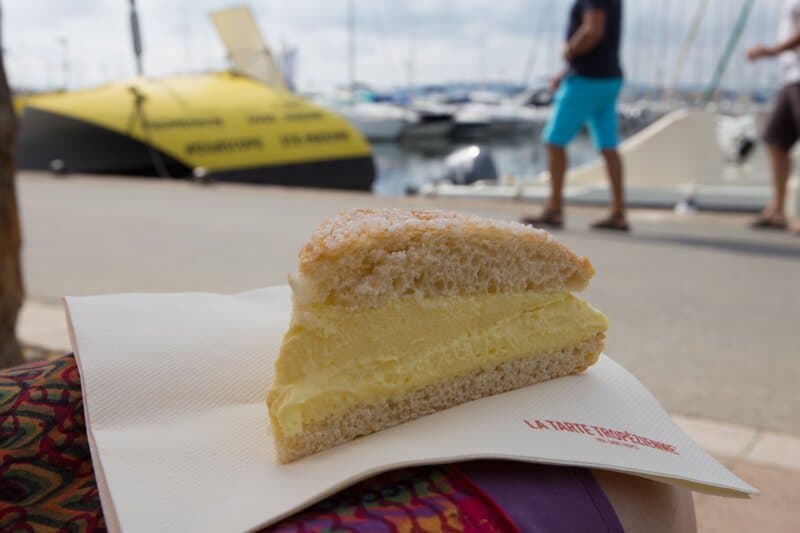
(545, 499)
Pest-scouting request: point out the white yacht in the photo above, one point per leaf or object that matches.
(377, 121)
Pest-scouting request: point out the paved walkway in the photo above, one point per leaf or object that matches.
(703, 311)
(768, 461)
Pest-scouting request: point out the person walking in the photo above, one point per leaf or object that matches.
(586, 93)
(783, 124)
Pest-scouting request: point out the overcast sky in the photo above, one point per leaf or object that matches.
(509, 40)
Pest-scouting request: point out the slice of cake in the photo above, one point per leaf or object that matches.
(399, 313)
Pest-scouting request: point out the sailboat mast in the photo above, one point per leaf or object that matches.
(63, 43)
(633, 38)
(136, 37)
(660, 29)
(764, 74)
(187, 46)
(351, 44)
(410, 67)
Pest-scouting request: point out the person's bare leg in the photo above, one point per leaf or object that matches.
(644, 505)
(616, 176)
(552, 216)
(557, 164)
(781, 163)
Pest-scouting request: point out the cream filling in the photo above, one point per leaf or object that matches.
(333, 359)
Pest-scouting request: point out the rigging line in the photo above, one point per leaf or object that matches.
(533, 52)
(351, 45)
(665, 48)
(728, 79)
(413, 35)
(686, 46)
(761, 30)
(651, 37)
(749, 81)
(560, 21)
(165, 83)
(767, 69)
(385, 43)
(658, 45)
(138, 114)
(733, 40)
(632, 25)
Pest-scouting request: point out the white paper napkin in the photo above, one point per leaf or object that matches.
(174, 388)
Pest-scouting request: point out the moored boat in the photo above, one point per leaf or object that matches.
(225, 126)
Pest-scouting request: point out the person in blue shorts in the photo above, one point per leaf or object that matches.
(586, 94)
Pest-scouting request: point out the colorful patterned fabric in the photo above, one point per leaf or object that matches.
(47, 482)
(46, 477)
(418, 499)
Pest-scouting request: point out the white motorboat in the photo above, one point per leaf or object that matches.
(377, 121)
(472, 121)
(477, 120)
(433, 121)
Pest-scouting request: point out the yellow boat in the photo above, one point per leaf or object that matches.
(226, 126)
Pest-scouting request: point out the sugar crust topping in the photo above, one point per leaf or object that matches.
(353, 226)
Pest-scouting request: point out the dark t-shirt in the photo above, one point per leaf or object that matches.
(603, 60)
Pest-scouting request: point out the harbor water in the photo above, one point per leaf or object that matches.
(401, 166)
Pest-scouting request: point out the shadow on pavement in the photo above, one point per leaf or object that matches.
(745, 247)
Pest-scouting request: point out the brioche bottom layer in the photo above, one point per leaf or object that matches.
(365, 418)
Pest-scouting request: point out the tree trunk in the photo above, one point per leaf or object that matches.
(11, 292)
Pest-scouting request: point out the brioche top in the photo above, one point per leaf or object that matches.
(364, 257)
(354, 228)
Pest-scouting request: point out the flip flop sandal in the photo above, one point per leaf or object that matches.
(548, 219)
(612, 223)
(768, 223)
